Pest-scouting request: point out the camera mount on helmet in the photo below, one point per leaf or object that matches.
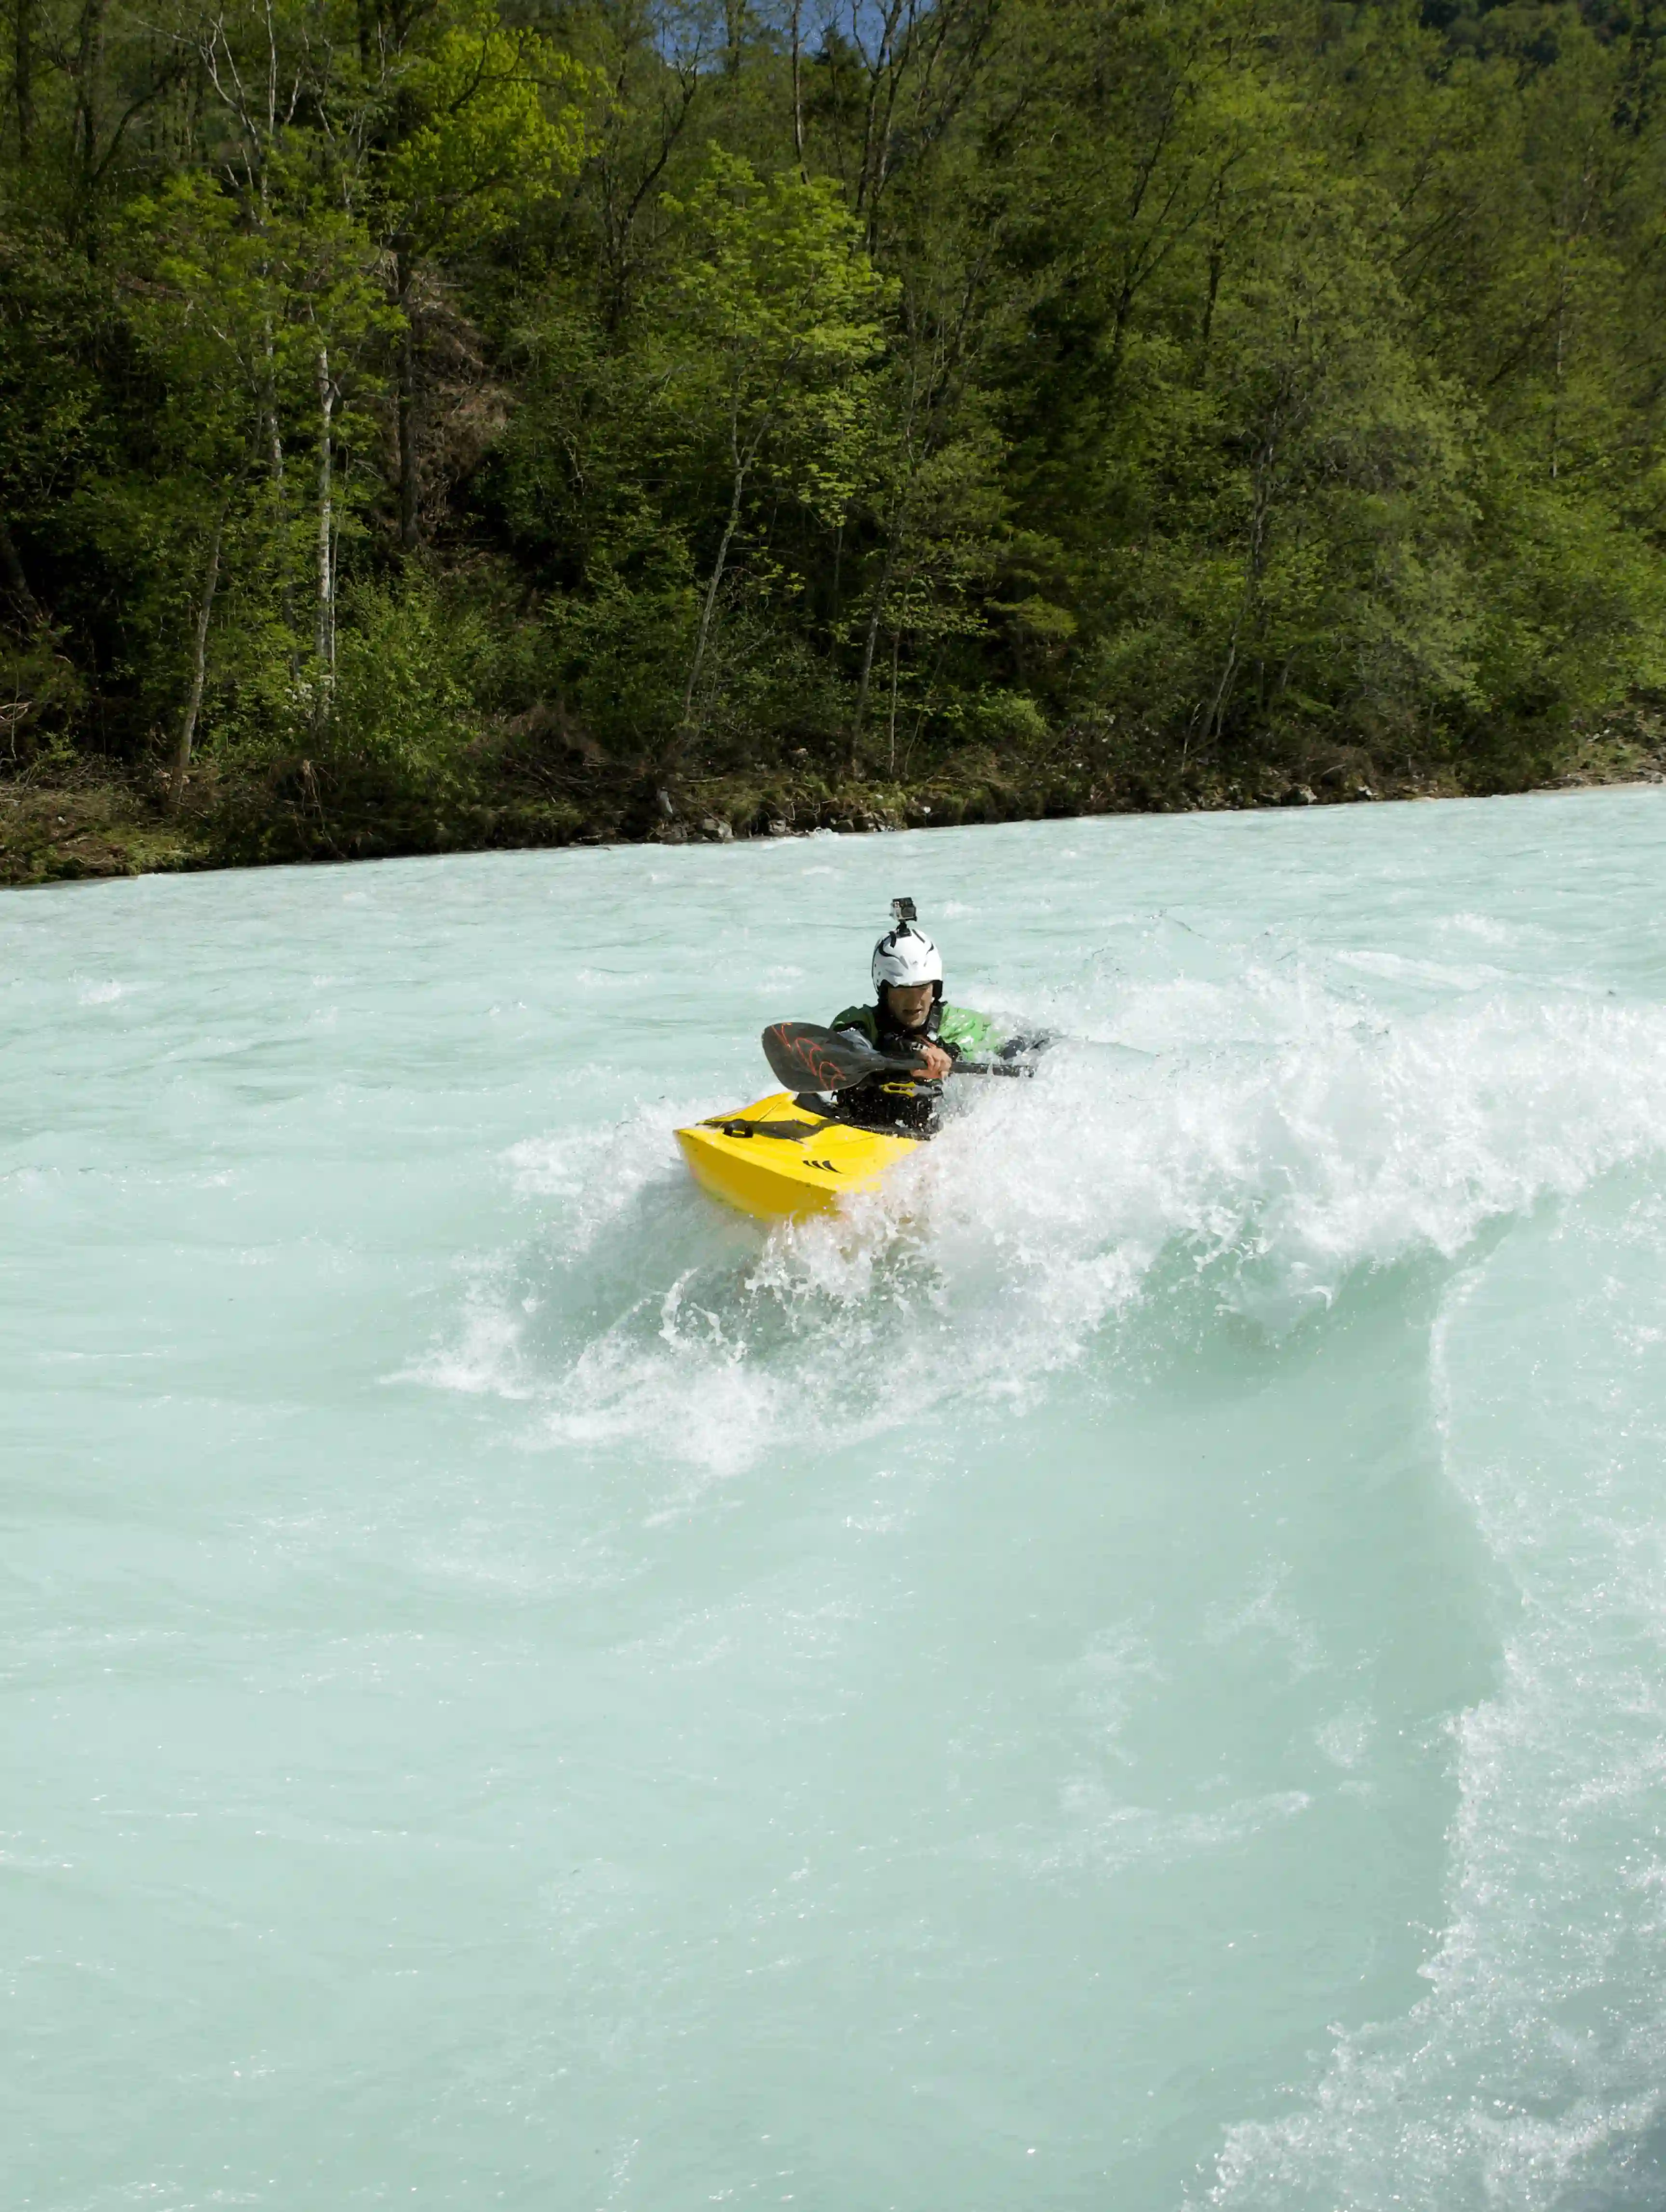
(905, 955)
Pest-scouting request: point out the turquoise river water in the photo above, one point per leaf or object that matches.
(1128, 1673)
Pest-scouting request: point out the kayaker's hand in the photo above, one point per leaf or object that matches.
(934, 1062)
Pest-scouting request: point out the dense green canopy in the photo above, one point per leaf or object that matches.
(414, 391)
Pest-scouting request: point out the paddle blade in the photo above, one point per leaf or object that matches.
(802, 1057)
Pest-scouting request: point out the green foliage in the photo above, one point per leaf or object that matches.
(487, 121)
(1574, 603)
(619, 658)
(41, 694)
(778, 308)
(408, 678)
(1254, 379)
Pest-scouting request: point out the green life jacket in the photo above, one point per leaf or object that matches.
(902, 1102)
(957, 1028)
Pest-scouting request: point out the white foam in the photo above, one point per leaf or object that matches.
(1346, 1738)
(1267, 1616)
(595, 1175)
(696, 1397)
(484, 1357)
(1262, 1176)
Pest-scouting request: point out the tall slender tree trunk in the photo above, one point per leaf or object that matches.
(1217, 264)
(687, 727)
(271, 99)
(88, 69)
(1212, 294)
(409, 424)
(865, 681)
(896, 533)
(1556, 387)
(176, 788)
(269, 395)
(278, 483)
(324, 631)
(896, 670)
(1261, 509)
(23, 75)
(798, 88)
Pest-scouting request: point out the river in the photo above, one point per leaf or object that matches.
(1129, 1672)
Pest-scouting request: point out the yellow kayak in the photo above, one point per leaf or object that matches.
(778, 1158)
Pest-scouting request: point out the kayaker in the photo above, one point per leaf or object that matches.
(909, 1013)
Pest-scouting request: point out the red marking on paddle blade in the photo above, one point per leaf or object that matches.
(785, 1046)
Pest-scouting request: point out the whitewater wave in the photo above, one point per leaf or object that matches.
(1248, 1181)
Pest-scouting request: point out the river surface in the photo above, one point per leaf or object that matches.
(1128, 1673)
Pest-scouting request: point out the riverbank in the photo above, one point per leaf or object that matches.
(58, 826)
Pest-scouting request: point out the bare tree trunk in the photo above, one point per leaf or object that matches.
(1556, 388)
(876, 615)
(1215, 721)
(798, 88)
(895, 532)
(23, 75)
(1212, 294)
(742, 453)
(89, 63)
(895, 658)
(882, 72)
(325, 634)
(176, 789)
(686, 728)
(271, 98)
(408, 409)
(274, 428)
(278, 479)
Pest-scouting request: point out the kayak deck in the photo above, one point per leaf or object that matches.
(777, 1158)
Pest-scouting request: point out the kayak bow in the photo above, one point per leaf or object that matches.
(777, 1159)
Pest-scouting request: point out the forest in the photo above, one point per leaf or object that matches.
(443, 422)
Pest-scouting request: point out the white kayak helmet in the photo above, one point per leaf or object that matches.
(904, 955)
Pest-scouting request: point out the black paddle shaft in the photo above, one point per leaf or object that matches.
(803, 1057)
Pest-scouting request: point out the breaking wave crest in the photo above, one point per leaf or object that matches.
(1125, 1195)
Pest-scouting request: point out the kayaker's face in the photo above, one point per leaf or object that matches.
(910, 1003)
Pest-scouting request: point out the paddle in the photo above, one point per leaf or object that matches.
(805, 1058)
